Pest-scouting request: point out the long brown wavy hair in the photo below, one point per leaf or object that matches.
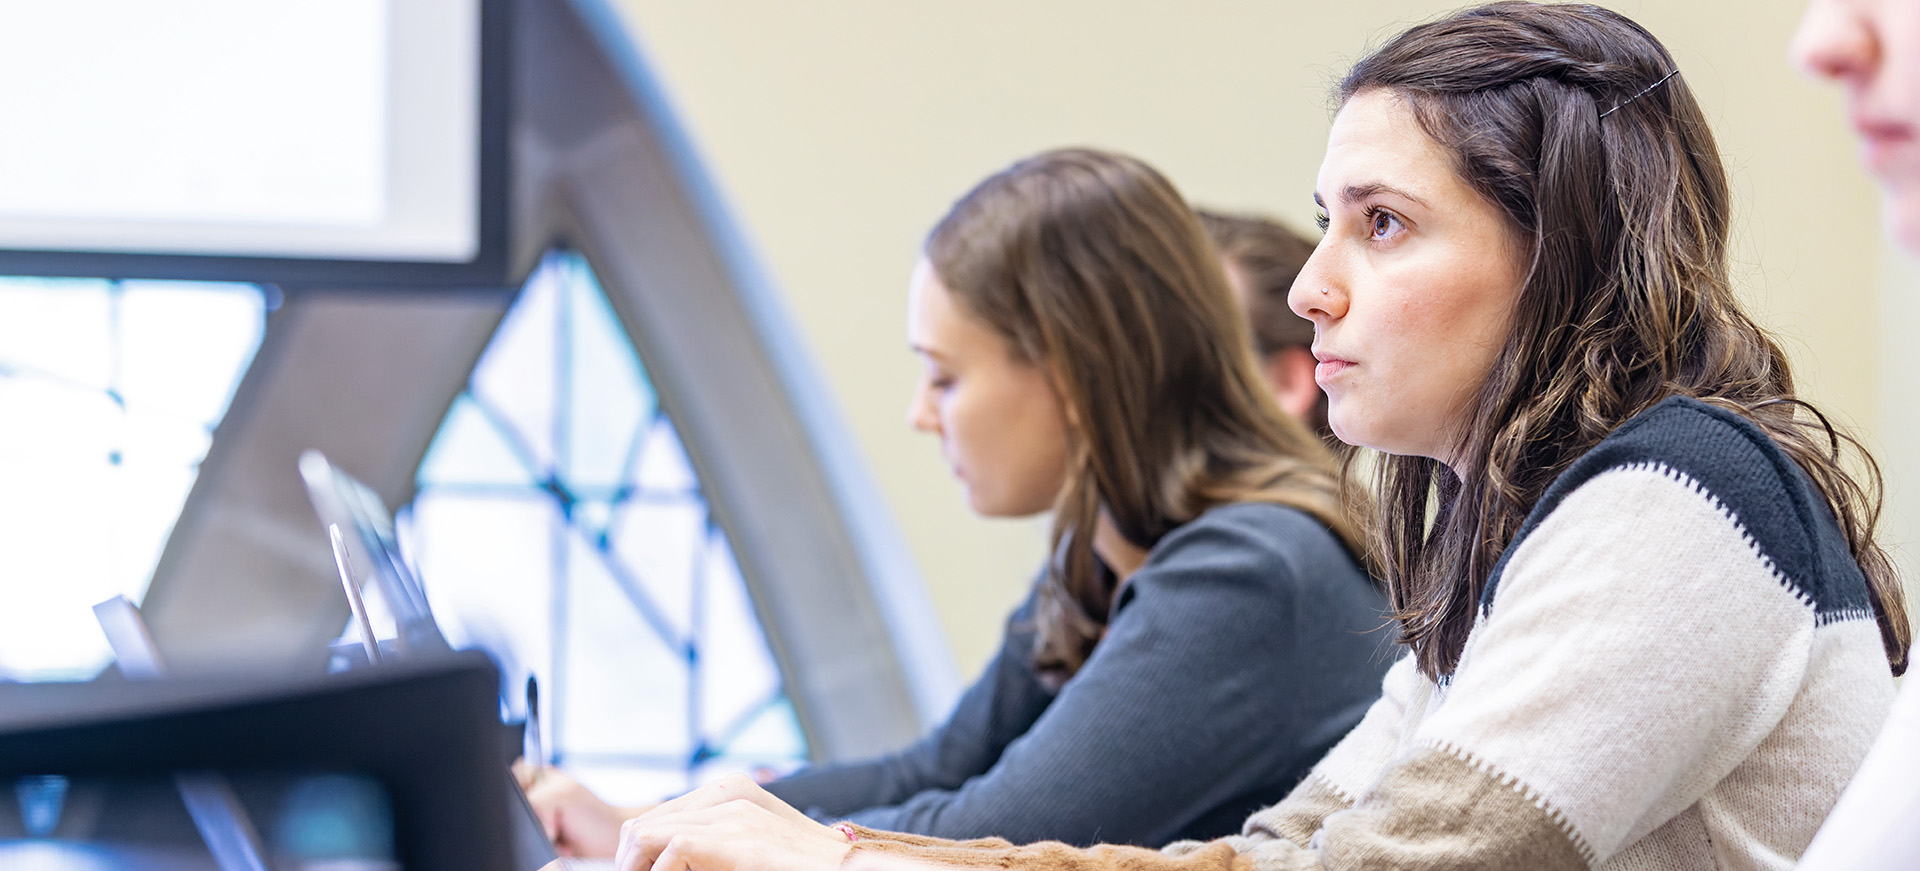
(1568, 118)
(1092, 266)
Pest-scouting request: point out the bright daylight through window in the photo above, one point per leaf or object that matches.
(558, 518)
(109, 393)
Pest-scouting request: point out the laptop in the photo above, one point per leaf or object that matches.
(369, 770)
(372, 550)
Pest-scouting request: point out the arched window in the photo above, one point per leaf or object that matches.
(557, 517)
(109, 394)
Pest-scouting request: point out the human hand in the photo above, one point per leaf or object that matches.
(734, 835)
(733, 787)
(578, 822)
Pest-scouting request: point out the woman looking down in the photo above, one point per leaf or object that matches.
(1648, 625)
(1203, 632)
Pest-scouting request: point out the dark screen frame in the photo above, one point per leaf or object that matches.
(487, 268)
(428, 730)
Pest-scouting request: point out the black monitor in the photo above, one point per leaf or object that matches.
(304, 142)
(404, 759)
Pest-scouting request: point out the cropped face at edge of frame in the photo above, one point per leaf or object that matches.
(1003, 430)
(1412, 290)
(1872, 49)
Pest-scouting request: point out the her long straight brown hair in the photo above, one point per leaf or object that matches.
(1571, 120)
(1092, 266)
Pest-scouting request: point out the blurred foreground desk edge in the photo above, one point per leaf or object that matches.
(427, 731)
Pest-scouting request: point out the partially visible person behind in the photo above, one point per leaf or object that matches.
(1261, 257)
(1204, 631)
(1871, 48)
(1649, 626)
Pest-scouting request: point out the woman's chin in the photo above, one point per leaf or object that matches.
(998, 507)
(984, 505)
(1353, 431)
(1902, 213)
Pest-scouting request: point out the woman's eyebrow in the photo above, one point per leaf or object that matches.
(1356, 192)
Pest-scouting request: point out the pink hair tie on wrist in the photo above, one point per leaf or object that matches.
(848, 830)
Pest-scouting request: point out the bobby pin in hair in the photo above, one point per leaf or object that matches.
(1645, 91)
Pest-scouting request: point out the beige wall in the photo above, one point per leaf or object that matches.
(840, 130)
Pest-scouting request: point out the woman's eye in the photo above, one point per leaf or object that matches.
(1381, 223)
(1320, 218)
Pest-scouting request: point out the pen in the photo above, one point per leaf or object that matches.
(535, 754)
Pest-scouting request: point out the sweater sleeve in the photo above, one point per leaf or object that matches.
(999, 707)
(1354, 763)
(1344, 774)
(1247, 645)
(1639, 650)
(1872, 828)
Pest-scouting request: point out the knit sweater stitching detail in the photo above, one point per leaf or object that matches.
(1560, 821)
(1753, 544)
(1332, 787)
(1831, 617)
(1821, 618)
(1721, 449)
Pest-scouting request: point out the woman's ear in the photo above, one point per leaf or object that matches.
(1070, 411)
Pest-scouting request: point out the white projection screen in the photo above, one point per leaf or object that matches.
(303, 141)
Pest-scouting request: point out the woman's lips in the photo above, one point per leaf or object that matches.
(1329, 367)
(1882, 143)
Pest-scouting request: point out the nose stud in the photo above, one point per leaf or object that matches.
(1325, 291)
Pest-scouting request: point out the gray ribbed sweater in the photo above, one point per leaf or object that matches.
(1243, 649)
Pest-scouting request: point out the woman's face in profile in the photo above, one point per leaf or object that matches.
(1412, 289)
(1002, 428)
(1872, 48)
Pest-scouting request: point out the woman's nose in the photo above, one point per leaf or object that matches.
(1834, 42)
(1318, 294)
(920, 412)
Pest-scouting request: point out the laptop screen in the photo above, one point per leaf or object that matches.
(374, 552)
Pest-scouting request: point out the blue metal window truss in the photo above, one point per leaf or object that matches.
(560, 422)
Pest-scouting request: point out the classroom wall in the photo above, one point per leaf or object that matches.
(841, 130)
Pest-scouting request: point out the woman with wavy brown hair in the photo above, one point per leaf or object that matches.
(1649, 625)
(1082, 355)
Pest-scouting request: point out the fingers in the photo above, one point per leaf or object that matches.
(736, 835)
(647, 843)
(549, 816)
(733, 787)
(640, 846)
(546, 794)
(632, 811)
(673, 857)
(578, 822)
